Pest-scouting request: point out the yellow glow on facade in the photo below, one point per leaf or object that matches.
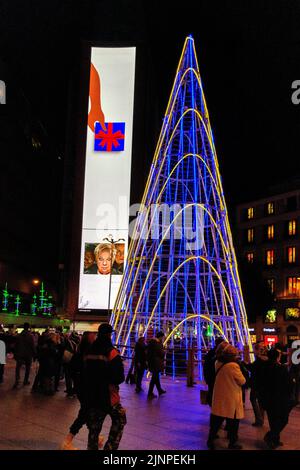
(270, 257)
(270, 232)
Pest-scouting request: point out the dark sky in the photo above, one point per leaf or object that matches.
(248, 52)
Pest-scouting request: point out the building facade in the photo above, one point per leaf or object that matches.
(268, 234)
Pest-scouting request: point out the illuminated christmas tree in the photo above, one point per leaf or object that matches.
(181, 272)
(17, 305)
(5, 299)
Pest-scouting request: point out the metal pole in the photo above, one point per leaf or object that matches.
(109, 290)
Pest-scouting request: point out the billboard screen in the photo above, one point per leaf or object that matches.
(107, 176)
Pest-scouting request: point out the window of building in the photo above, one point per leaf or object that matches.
(293, 285)
(250, 213)
(270, 257)
(292, 227)
(270, 208)
(250, 235)
(250, 257)
(291, 203)
(291, 254)
(270, 232)
(271, 284)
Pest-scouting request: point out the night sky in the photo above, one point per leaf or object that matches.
(249, 55)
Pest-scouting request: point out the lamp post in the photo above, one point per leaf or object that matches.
(112, 242)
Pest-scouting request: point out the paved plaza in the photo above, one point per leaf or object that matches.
(175, 421)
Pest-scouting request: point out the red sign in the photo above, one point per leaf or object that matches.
(270, 340)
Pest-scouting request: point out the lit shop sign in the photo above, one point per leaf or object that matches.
(105, 219)
(251, 330)
(270, 340)
(269, 330)
(253, 338)
(2, 92)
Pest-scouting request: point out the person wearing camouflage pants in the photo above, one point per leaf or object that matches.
(95, 421)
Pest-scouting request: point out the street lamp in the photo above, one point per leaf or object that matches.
(112, 242)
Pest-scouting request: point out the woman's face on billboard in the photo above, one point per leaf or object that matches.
(103, 261)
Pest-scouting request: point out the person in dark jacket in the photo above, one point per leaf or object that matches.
(49, 358)
(209, 370)
(103, 373)
(24, 352)
(70, 347)
(140, 362)
(276, 397)
(87, 340)
(155, 359)
(257, 371)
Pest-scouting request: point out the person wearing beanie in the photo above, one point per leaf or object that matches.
(227, 401)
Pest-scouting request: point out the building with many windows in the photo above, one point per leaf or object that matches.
(268, 234)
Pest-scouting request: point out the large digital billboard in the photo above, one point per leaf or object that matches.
(107, 176)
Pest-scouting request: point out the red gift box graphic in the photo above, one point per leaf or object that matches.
(110, 140)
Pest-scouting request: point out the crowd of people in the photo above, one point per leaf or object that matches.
(93, 370)
(274, 390)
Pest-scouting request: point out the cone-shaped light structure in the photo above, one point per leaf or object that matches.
(181, 274)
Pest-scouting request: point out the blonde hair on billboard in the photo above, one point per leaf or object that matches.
(105, 247)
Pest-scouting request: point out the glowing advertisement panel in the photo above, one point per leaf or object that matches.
(107, 177)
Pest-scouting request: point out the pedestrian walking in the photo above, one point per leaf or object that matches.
(276, 397)
(155, 359)
(140, 362)
(102, 374)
